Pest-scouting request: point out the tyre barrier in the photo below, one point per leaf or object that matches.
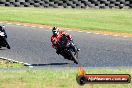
(100, 4)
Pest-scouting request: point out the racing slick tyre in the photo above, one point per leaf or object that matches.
(74, 57)
(8, 47)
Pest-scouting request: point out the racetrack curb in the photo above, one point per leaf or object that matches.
(105, 33)
(14, 61)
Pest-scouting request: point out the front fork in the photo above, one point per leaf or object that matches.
(73, 46)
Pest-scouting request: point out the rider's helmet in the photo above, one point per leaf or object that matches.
(55, 30)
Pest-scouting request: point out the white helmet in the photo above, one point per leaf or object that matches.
(55, 30)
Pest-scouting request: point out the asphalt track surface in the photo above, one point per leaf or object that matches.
(33, 46)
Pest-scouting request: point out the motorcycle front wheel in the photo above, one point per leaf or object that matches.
(74, 57)
(7, 45)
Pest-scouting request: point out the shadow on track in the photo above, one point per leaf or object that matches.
(49, 64)
(2, 49)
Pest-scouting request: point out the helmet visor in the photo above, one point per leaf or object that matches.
(55, 32)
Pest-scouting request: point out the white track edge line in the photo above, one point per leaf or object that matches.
(26, 64)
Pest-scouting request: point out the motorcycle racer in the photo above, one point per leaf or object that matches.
(3, 37)
(57, 34)
(2, 31)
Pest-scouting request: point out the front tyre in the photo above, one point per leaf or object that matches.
(74, 57)
(8, 46)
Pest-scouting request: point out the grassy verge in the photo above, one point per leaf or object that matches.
(9, 64)
(87, 19)
(54, 78)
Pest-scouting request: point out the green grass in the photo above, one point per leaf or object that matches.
(55, 78)
(10, 64)
(88, 19)
(114, 20)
